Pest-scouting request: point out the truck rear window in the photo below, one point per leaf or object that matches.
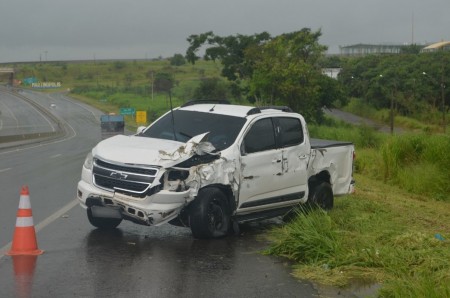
(184, 125)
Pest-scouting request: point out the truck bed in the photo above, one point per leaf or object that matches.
(336, 158)
(320, 143)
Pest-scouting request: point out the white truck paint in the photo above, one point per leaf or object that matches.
(206, 165)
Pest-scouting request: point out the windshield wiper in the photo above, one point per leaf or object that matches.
(185, 134)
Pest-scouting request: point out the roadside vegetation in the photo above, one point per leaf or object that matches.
(395, 230)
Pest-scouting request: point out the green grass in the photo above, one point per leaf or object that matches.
(417, 162)
(385, 233)
(380, 234)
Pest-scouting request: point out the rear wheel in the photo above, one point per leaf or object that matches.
(101, 222)
(322, 196)
(210, 214)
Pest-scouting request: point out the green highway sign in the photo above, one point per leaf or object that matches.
(127, 111)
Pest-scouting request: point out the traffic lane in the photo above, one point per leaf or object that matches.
(139, 261)
(20, 117)
(79, 117)
(51, 170)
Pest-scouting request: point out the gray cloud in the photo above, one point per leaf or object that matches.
(142, 28)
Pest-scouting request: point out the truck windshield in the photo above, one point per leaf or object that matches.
(222, 129)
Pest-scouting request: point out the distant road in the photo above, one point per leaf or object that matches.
(356, 120)
(17, 116)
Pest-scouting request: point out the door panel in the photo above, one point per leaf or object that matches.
(273, 173)
(295, 153)
(261, 175)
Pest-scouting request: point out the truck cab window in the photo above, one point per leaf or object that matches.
(260, 137)
(291, 132)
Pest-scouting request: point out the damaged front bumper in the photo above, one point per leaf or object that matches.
(156, 209)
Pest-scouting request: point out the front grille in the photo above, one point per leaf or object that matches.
(126, 168)
(123, 178)
(120, 184)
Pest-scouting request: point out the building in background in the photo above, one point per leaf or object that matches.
(443, 45)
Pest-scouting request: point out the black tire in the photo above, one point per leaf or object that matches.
(322, 196)
(103, 223)
(210, 214)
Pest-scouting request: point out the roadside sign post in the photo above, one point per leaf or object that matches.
(141, 117)
(127, 111)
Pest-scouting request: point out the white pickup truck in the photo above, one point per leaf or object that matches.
(211, 165)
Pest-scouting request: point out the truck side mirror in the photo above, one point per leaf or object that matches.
(140, 129)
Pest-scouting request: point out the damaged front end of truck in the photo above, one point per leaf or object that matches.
(153, 193)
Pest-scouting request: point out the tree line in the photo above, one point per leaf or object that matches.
(287, 70)
(266, 70)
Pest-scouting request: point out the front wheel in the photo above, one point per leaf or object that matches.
(210, 214)
(322, 196)
(103, 223)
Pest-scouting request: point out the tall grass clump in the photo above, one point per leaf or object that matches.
(372, 237)
(310, 238)
(419, 163)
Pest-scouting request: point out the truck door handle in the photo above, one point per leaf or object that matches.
(248, 177)
(303, 156)
(276, 160)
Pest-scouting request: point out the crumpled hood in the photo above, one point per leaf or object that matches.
(150, 151)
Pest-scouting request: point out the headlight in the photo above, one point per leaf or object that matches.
(88, 161)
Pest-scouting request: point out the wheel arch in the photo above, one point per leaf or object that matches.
(227, 191)
(317, 179)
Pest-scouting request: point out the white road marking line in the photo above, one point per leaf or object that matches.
(4, 170)
(55, 156)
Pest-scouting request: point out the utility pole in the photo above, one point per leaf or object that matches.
(152, 84)
(443, 100)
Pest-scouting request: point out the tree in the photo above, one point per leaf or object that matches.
(282, 70)
(376, 79)
(177, 60)
(286, 72)
(229, 50)
(163, 82)
(411, 49)
(211, 88)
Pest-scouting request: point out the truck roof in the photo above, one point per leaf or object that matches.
(223, 109)
(233, 110)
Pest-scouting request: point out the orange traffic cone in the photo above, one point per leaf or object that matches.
(24, 240)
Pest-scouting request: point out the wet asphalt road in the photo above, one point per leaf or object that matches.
(136, 261)
(131, 261)
(19, 117)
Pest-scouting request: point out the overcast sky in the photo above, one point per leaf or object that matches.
(51, 30)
